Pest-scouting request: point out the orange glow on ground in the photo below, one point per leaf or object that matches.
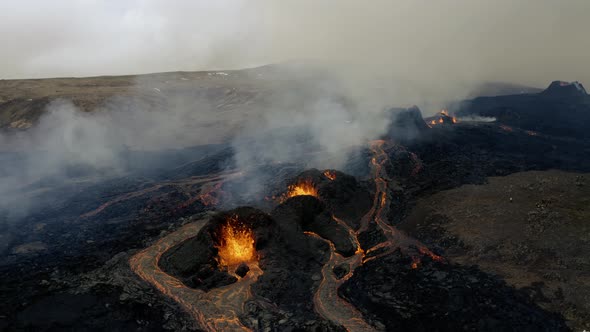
(330, 174)
(303, 187)
(506, 128)
(236, 244)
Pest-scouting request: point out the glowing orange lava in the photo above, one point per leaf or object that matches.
(210, 196)
(445, 116)
(303, 187)
(378, 215)
(330, 174)
(236, 243)
(215, 310)
(506, 128)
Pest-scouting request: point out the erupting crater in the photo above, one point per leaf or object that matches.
(443, 117)
(330, 174)
(236, 244)
(203, 267)
(303, 187)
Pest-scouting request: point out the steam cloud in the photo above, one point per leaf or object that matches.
(379, 54)
(67, 142)
(306, 117)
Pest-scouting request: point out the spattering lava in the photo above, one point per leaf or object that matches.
(216, 310)
(236, 243)
(303, 187)
(445, 117)
(330, 174)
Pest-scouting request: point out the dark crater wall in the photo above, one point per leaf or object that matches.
(194, 261)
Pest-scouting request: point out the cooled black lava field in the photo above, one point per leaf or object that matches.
(184, 244)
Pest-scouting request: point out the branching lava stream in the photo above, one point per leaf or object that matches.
(326, 300)
(219, 309)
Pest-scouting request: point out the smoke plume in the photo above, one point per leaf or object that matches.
(372, 56)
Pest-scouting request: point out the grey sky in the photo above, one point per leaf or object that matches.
(525, 41)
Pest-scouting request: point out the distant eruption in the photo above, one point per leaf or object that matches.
(443, 118)
(330, 174)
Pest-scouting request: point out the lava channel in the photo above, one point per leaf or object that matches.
(215, 310)
(326, 300)
(327, 303)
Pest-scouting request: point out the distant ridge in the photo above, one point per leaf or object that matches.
(493, 89)
(565, 89)
(563, 109)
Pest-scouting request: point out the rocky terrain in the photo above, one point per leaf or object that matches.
(453, 225)
(529, 228)
(559, 110)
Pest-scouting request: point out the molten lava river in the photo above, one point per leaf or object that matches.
(327, 302)
(219, 309)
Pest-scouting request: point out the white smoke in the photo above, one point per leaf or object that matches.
(476, 118)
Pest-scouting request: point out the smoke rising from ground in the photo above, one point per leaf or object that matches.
(67, 143)
(295, 115)
(378, 54)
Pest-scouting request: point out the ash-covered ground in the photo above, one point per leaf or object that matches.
(428, 227)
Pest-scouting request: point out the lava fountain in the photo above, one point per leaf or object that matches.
(218, 309)
(236, 244)
(330, 174)
(303, 187)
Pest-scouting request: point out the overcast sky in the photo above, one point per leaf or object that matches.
(526, 41)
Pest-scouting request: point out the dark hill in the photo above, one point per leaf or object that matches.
(563, 109)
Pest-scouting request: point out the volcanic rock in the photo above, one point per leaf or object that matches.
(525, 238)
(348, 198)
(341, 270)
(441, 119)
(313, 217)
(468, 153)
(563, 109)
(242, 270)
(565, 89)
(406, 124)
(209, 279)
(288, 257)
(388, 292)
(289, 262)
(441, 297)
(195, 261)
